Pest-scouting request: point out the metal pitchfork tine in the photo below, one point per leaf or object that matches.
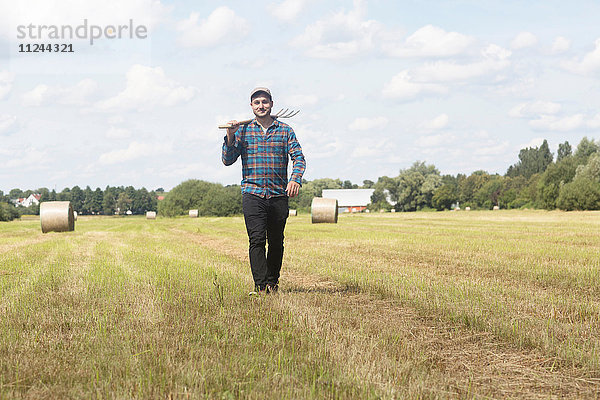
(280, 114)
(285, 113)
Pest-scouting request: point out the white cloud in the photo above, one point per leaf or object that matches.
(30, 158)
(594, 122)
(7, 123)
(287, 10)
(367, 151)
(221, 26)
(117, 133)
(523, 40)
(115, 119)
(317, 143)
(36, 96)
(365, 124)
(342, 35)
(534, 108)
(434, 140)
(495, 59)
(6, 79)
(589, 63)
(483, 134)
(146, 88)
(402, 86)
(491, 149)
(430, 41)
(560, 45)
(134, 151)
(553, 123)
(70, 95)
(439, 122)
(301, 100)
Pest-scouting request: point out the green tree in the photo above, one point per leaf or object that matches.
(123, 203)
(109, 201)
(144, 201)
(581, 194)
(96, 203)
(65, 195)
(349, 185)
(385, 195)
(208, 198)
(555, 176)
(8, 212)
(585, 148)
(416, 186)
(468, 186)
(44, 194)
(532, 160)
(512, 195)
(16, 194)
(488, 195)
(591, 170)
(444, 197)
(77, 198)
(88, 201)
(564, 150)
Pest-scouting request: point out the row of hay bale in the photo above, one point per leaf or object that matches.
(152, 214)
(495, 208)
(58, 216)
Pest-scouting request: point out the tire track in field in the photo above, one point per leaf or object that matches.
(25, 242)
(403, 353)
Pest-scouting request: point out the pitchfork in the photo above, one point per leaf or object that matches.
(280, 114)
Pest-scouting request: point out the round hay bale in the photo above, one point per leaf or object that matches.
(467, 208)
(193, 213)
(74, 215)
(496, 208)
(57, 216)
(150, 214)
(324, 210)
(293, 213)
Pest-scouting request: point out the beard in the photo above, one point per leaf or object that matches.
(264, 113)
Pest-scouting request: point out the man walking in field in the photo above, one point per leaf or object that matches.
(264, 145)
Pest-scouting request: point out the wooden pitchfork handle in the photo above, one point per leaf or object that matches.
(244, 122)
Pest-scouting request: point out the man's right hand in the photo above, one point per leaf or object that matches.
(231, 132)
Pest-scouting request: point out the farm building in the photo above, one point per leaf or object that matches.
(26, 202)
(350, 200)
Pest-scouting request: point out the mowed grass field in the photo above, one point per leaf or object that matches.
(502, 304)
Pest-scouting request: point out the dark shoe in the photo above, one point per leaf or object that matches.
(258, 291)
(272, 288)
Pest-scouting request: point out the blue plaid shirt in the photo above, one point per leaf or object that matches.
(265, 158)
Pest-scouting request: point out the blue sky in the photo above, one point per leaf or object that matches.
(380, 84)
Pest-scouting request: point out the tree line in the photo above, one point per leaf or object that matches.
(536, 180)
(110, 201)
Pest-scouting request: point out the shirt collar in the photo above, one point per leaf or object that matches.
(274, 123)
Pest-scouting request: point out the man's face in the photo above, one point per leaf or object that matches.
(261, 105)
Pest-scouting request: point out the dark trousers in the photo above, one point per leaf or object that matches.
(265, 221)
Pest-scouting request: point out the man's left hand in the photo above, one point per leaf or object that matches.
(292, 189)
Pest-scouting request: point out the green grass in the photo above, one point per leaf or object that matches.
(421, 305)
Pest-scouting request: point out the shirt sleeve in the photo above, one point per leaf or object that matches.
(295, 152)
(230, 154)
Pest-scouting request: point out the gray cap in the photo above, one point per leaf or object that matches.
(260, 89)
